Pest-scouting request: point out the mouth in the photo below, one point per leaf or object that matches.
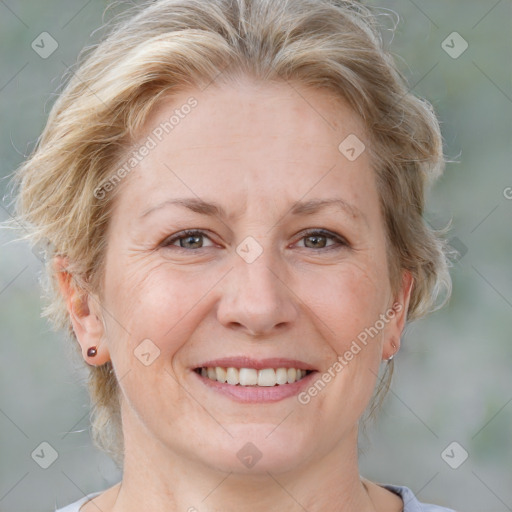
(265, 377)
(247, 380)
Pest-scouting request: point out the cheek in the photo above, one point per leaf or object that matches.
(151, 319)
(348, 304)
(148, 302)
(347, 301)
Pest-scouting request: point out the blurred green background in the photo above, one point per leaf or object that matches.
(453, 379)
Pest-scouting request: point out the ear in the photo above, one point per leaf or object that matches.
(396, 324)
(85, 314)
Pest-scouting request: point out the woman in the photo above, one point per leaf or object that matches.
(232, 195)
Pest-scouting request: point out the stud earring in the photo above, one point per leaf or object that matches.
(92, 351)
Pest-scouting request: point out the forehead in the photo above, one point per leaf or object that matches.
(273, 139)
(242, 109)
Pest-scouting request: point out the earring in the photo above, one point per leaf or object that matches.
(91, 351)
(392, 355)
(390, 358)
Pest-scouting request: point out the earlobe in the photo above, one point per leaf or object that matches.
(85, 315)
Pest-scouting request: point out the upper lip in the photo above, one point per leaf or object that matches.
(258, 364)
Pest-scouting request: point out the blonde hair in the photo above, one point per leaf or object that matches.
(165, 46)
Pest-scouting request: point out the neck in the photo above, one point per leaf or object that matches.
(159, 479)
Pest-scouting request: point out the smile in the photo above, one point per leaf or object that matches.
(265, 377)
(250, 385)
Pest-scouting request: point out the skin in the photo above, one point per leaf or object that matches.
(255, 149)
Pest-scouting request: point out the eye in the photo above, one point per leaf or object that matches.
(188, 239)
(318, 238)
(193, 239)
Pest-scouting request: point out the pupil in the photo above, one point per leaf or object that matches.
(192, 237)
(316, 238)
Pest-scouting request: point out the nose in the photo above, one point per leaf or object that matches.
(256, 298)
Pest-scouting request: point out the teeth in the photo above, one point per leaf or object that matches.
(220, 374)
(251, 377)
(247, 377)
(267, 377)
(281, 376)
(232, 376)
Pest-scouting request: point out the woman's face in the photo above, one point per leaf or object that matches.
(258, 288)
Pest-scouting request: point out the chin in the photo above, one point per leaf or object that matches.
(257, 449)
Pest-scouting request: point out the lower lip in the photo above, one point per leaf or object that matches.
(258, 394)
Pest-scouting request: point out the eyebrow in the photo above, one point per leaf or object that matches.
(299, 208)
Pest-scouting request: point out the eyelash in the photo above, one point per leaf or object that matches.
(340, 241)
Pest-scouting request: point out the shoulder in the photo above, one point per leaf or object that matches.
(75, 507)
(411, 503)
